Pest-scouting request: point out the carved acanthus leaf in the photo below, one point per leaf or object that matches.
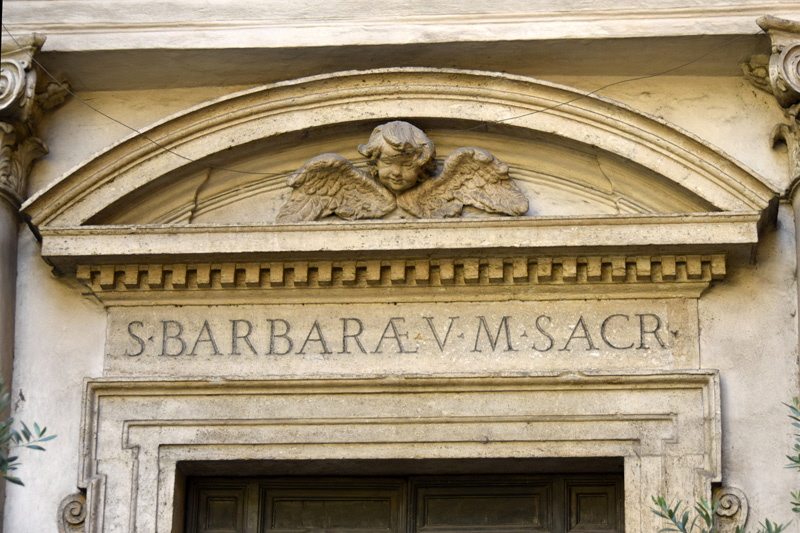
(789, 134)
(757, 72)
(16, 159)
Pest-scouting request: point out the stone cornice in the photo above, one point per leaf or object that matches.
(411, 260)
(705, 233)
(89, 25)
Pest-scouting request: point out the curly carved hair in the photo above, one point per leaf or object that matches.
(402, 137)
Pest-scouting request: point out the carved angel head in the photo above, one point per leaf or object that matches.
(400, 155)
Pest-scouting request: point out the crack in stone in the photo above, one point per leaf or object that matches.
(195, 203)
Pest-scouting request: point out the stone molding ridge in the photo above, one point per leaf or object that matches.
(731, 515)
(779, 74)
(404, 273)
(331, 21)
(23, 99)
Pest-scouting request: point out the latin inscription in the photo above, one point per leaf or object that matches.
(284, 336)
(354, 339)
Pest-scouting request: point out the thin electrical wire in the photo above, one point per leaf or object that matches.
(361, 160)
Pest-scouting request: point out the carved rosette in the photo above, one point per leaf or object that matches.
(21, 105)
(779, 74)
(72, 514)
(731, 513)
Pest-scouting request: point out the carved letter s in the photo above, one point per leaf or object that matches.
(135, 337)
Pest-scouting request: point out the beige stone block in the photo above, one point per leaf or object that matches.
(376, 339)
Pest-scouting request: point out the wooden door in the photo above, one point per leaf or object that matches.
(425, 504)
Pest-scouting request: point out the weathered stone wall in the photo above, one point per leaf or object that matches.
(746, 324)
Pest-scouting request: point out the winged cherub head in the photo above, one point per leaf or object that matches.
(399, 155)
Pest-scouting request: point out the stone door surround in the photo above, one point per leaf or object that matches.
(136, 433)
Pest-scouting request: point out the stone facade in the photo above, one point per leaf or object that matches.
(630, 308)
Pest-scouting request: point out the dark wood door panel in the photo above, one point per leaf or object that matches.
(503, 504)
(338, 505)
(595, 506)
(218, 507)
(590, 503)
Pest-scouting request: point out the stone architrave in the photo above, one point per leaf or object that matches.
(403, 172)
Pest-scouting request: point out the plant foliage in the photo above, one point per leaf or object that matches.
(12, 438)
(682, 520)
(701, 520)
(794, 460)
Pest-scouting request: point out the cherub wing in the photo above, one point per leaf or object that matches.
(329, 184)
(470, 176)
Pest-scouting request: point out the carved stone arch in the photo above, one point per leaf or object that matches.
(319, 110)
(225, 163)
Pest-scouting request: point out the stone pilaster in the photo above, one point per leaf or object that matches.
(779, 74)
(23, 98)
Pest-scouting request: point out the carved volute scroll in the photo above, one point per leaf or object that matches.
(72, 514)
(780, 75)
(732, 511)
(24, 97)
(402, 172)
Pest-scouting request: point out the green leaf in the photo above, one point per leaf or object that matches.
(15, 480)
(26, 432)
(35, 447)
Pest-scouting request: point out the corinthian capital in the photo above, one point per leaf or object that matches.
(779, 74)
(23, 98)
(783, 68)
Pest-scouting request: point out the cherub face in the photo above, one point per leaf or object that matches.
(397, 171)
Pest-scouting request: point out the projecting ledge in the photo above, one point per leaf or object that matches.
(693, 233)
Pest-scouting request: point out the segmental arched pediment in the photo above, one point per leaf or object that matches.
(209, 182)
